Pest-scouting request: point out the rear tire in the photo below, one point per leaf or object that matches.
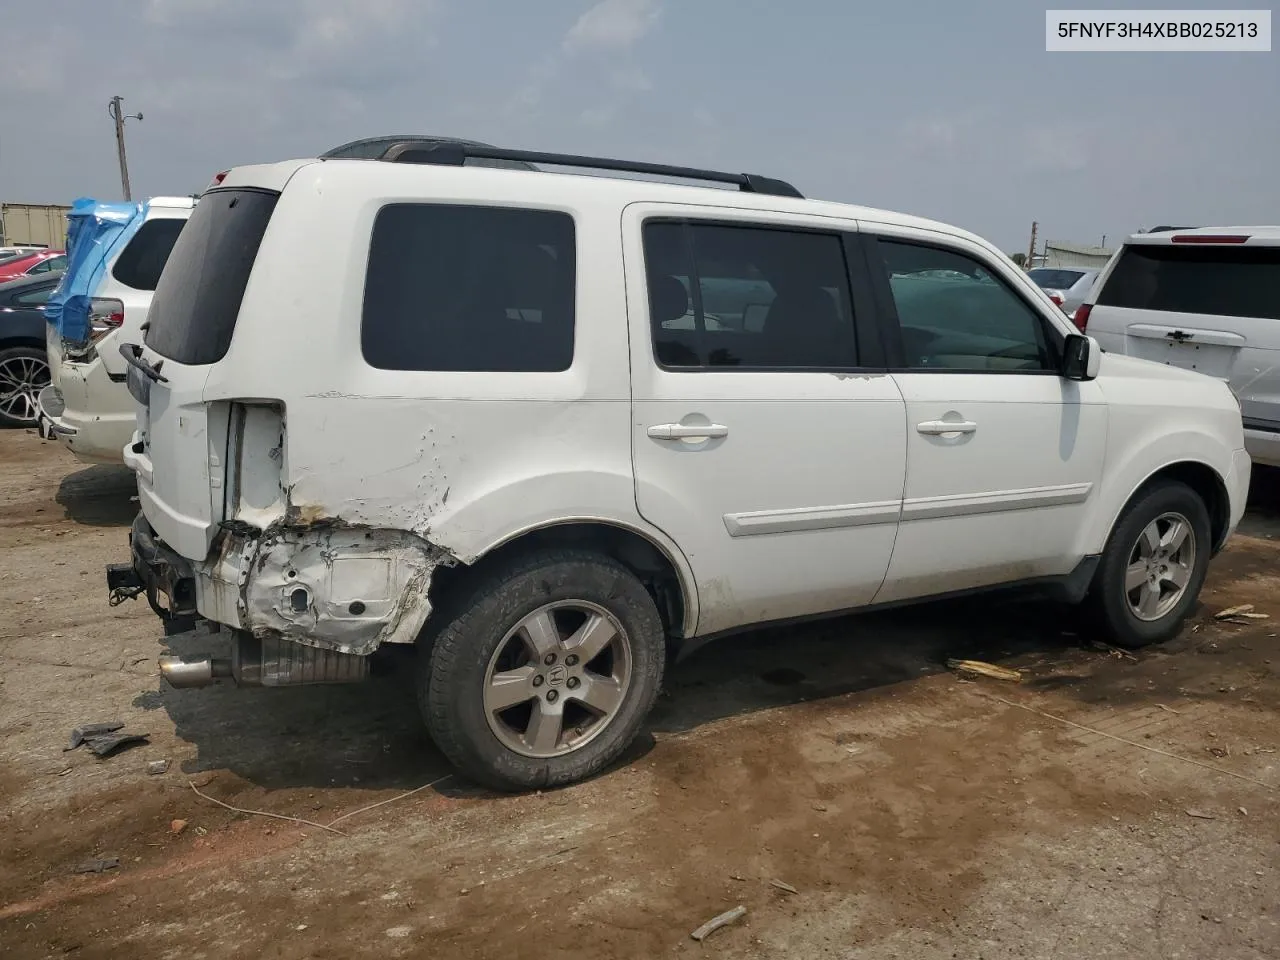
(1153, 566)
(543, 672)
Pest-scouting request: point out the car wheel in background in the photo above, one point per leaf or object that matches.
(24, 372)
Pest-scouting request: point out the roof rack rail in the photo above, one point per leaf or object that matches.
(375, 148)
(455, 153)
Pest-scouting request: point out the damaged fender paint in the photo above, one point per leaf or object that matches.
(327, 585)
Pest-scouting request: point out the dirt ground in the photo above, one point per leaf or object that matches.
(1107, 806)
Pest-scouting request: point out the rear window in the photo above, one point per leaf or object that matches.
(142, 260)
(1050, 279)
(193, 313)
(1220, 281)
(459, 288)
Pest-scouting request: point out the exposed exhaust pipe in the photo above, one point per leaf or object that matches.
(198, 672)
(266, 663)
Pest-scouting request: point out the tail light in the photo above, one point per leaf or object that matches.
(1056, 298)
(217, 179)
(1081, 317)
(105, 315)
(1211, 238)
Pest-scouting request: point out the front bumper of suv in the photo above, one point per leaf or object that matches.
(1237, 483)
(1262, 440)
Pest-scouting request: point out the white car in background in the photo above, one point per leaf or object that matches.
(87, 406)
(1205, 299)
(1066, 286)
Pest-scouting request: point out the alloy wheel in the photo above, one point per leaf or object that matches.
(1160, 566)
(21, 380)
(557, 679)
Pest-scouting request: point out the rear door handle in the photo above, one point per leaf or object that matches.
(687, 431)
(936, 428)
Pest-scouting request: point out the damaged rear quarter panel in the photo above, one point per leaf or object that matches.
(462, 475)
(323, 584)
(368, 520)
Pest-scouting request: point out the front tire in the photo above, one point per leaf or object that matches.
(1153, 566)
(543, 673)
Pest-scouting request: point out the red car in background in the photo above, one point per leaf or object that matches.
(35, 263)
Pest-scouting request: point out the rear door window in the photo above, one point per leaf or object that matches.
(1219, 281)
(142, 260)
(197, 300)
(748, 297)
(469, 289)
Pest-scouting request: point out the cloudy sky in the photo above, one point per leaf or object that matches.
(946, 109)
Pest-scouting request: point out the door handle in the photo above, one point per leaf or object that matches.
(936, 428)
(687, 431)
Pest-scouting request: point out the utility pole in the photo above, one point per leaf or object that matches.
(1031, 252)
(115, 109)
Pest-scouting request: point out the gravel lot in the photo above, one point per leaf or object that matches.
(914, 814)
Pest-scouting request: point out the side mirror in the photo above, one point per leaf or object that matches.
(1081, 357)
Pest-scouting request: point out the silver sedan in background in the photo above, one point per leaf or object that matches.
(1066, 286)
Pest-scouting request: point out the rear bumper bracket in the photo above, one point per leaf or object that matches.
(155, 570)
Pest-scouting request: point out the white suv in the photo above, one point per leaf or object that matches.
(1205, 299)
(114, 263)
(546, 425)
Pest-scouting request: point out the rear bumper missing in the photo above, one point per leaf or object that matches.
(171, 585)
(338, 589)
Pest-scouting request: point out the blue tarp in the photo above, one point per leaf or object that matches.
(95, 230)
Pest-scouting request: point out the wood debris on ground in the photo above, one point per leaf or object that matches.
(984, 669)
(1243, 612)
(723, 920)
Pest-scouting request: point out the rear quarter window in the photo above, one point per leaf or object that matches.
(1218, 281)
(193, 313)
(469, 289)
(141, 262)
